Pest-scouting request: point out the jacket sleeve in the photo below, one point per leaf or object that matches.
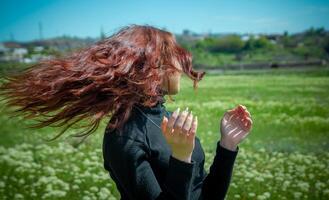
(216, 183)
(129, 161)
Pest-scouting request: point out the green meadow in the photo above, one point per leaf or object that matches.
(284, 157)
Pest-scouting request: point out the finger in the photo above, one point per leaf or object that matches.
(223, 122)
(226, 116)
(238, 133)
(232, 130)
(243, 135)
(248, 113)
(230, 126)
(246, 117)
(164, 124)
(246, 120)
(180, 121)
(193, 129)
(238, 117)
(232, 116)
(172, 120)
(231, 111)
(243, 111)
(235, 120)
(188, 123)
(248, 124)
(244, 107)
(240, 109)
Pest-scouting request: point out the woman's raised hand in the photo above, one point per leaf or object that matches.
(235, 127)
(179, 132)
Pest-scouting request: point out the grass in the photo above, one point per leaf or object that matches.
(284, 157)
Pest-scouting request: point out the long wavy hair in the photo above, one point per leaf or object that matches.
(105, 79)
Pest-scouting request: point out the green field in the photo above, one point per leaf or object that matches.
(284, 157)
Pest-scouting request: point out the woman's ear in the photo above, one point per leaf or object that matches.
(164, 84)
(168, 85)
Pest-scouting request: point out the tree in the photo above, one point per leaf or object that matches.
(227, 44)
(261, 42)
(326, 46)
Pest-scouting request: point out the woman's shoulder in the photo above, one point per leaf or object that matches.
(132, 129)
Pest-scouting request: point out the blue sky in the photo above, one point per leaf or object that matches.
(20, 18)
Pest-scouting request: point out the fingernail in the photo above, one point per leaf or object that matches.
(177, 110)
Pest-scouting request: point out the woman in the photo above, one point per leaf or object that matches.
(150, 153)
(157, 154)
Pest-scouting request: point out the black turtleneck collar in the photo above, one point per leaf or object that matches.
(156, 109)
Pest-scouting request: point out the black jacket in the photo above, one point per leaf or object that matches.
(140, 162)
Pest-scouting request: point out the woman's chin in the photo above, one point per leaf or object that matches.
(174, 92)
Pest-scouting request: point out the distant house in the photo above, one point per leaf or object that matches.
(18, 54)
(245, 37)
(3, 48)
(39, 48)
(12, 51)
(3, 52)
(273, 38)
(38, 57)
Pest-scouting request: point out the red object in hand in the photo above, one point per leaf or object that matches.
(235, 126)
(242, 115)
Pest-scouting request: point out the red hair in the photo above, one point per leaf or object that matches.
(104, 79)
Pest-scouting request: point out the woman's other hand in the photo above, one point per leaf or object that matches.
(179, 132)
(235, 126)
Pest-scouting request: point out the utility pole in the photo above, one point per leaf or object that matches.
(12, 37)
(102, 35)
(40, 31)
